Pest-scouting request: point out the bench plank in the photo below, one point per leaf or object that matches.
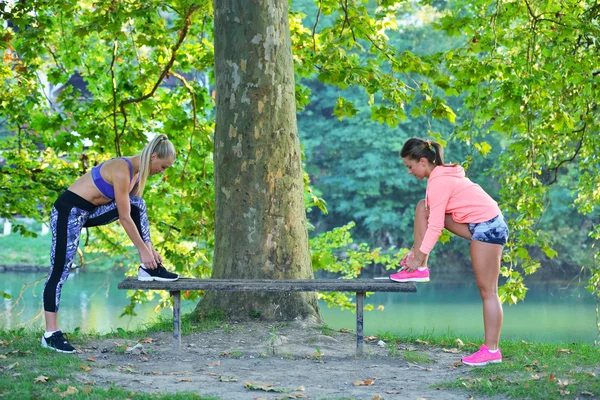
(272, 285)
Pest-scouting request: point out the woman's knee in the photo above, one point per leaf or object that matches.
(487, 289)
(421, 208)
(138, 202)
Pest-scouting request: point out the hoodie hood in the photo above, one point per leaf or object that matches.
(455, 171)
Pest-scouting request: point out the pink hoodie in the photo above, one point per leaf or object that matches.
(450, 192)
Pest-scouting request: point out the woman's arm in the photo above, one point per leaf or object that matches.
(121, 182)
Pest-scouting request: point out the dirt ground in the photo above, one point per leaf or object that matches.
(272, 361)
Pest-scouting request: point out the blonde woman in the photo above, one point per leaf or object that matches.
(111, 191)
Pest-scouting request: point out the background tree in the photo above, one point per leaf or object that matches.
(524, 109)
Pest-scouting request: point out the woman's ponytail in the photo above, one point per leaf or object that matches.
(163, 148)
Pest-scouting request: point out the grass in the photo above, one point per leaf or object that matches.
(530, 370)
(26, 251)
(29, 371)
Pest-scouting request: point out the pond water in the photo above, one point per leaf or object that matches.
(552, 311)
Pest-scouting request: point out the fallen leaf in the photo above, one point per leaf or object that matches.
(368, 382)
(455, 351)
(215, 364)
(127, 368)
(87, 390)
(460, 343)
(223, 378)
(563, 350)
(85, 368)
(13, 366)
(211, 374)
(422, 341)
(524, 342)
(297, 395)
(589, 373)
(380, 308)
(563, 383)
(148, 340)
(262, 386)
(370, 338)
(71, 390)
(41, 378)
(586, 393)
(377, 397)
(422, 398)
(184, 380)
(3, 343)
(143, 358)
(156, 373)
(564, 392)
(535, 377)
(300, 388)
(179, 373)
(551, 377)
(2, 356)
(91, 358)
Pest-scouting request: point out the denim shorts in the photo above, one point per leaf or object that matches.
(494, 231)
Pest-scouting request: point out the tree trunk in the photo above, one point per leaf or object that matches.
(259, 192)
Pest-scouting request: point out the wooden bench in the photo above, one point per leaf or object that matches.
(358, 286)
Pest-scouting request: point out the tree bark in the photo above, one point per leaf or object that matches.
(259, 192)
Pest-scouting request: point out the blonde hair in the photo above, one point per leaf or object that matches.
(163, 148)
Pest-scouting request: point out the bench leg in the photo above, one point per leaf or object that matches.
(176, 320)
(360, 297)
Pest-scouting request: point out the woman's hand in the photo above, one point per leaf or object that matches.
(147, 258)
(407, 257)
(157, 256)
(412, 264)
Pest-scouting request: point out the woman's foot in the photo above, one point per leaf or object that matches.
(418, 275)
(57, 342)
(483, 357)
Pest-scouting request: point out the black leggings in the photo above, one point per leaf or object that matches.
(70, 214)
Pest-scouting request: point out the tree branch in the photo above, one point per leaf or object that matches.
(182, 35)
(315, 27)
(560, 164)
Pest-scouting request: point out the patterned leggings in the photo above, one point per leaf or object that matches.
(70, 214)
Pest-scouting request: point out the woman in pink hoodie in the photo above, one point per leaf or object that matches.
(453, 202)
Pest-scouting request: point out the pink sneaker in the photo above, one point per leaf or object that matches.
(483, 357)
(415, 276)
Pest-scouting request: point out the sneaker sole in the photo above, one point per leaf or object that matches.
(155, 278)
(481, 364)
(410, 279)
(45, 346)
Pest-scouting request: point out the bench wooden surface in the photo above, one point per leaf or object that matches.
(358, 286)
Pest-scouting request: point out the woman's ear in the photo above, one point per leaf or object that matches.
(153, 156)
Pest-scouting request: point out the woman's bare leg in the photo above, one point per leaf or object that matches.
(486, 259)
(51, 321)
(422, 220)
(420, 227)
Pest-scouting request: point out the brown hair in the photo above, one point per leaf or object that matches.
(416, 148)
(163, 148)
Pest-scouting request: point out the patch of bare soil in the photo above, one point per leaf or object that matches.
(272, 361)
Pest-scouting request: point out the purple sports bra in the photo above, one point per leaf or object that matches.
(106, 188)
